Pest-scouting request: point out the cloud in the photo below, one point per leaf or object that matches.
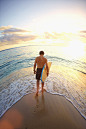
(84, 31)
(81, 35)
(15, 37)
(10, 35)
(48, 35)
(53, 35)
(64, 37)
(11, 30)
(14, 30)
(5, 27)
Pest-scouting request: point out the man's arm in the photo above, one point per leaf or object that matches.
(35, 66)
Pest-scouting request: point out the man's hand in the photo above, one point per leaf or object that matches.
(34, 72)
(47, 74)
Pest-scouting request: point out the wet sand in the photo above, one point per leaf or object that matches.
(46, 111)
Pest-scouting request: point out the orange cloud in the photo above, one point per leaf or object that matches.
(6, 27)
(10, 35)
(15, 36)
(63, 36)
(14, 30)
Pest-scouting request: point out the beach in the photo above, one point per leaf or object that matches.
(55, 29)
(46, 111)
(63, 104)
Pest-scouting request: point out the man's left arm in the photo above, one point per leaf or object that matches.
(47, 68)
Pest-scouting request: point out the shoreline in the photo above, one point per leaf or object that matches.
(69, 102)
(58, 94)
(45, 111)
(23, 76)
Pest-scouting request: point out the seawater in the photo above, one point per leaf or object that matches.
(67, 76)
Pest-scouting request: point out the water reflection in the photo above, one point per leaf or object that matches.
(40, 105)
(76, 50)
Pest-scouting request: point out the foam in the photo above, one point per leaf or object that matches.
(54, 84)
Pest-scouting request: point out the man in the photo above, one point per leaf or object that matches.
(40, 61)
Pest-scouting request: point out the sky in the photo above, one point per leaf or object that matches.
(24, 22)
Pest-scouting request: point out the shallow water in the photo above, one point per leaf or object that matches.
(67, 76)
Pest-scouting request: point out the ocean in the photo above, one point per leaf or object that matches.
(67, 75)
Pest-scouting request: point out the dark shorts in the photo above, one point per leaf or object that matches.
(38, 73)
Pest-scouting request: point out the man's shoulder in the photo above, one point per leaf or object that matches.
(45, 58)
(37, 57)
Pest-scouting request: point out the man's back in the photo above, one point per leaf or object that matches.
(40, 60)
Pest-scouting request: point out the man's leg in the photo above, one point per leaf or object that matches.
(37, 87)
(42, 86)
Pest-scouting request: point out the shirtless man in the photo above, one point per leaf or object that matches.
(40, 61)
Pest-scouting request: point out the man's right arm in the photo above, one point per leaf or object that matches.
(35, 66)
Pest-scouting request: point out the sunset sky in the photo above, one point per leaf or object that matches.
(24, 22)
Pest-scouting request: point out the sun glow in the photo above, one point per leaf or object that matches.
(76, 49)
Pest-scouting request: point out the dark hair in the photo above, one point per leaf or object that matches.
(41, 53)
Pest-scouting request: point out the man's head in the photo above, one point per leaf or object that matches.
(41, 53)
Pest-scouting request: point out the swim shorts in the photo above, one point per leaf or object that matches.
(38, 73)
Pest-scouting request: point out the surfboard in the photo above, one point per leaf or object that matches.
(44, 72)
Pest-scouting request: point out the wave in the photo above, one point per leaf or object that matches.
(74, 64)
(54, 84)
(80, 71)
(23, 57)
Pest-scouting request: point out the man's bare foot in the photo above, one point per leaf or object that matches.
(43, 90)
(37, 94)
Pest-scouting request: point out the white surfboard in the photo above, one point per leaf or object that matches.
(44, 72)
